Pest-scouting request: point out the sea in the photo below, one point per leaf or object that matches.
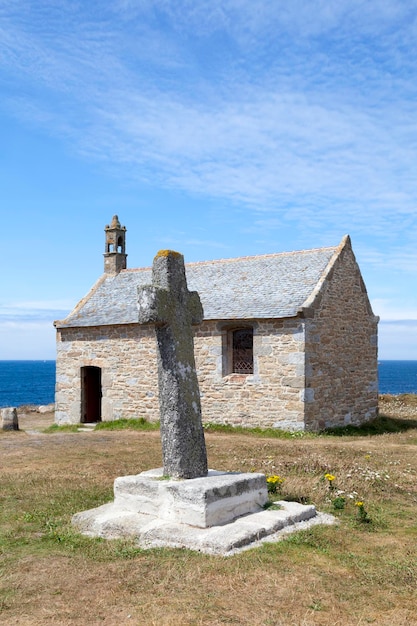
(33, 382)
(27, 382)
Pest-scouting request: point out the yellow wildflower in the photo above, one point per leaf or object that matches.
(273, 480)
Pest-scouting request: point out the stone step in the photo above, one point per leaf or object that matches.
(111, 521)
(87, 428)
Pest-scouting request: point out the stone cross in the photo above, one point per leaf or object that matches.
(172, 308)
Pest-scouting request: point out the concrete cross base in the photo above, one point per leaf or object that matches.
(218, 514)
(215, 499)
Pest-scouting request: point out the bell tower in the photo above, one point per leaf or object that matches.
(115, 251)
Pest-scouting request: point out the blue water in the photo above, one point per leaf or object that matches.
(27, 382)
(397, 377)
(33, 382)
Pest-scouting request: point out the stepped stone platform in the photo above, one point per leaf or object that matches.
(217, 514)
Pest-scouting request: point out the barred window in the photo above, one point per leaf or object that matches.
(242, 351)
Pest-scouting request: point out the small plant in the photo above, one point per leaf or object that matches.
(339, 503)
(274, 483)
(330, 479)
(363, 516)
(272, 506)
(316, 605)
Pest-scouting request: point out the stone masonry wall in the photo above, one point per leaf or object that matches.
(341, 351)
(127, 357)
(272, 396)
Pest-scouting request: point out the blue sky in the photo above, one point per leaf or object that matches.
(219, 129)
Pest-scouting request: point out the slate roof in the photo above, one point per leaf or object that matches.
(258, 287)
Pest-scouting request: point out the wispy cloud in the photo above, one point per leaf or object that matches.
(33, 312)
(301, 140)
(399, 339)
(395, 258)
(389, 311)
(299, 117)
(26, 340)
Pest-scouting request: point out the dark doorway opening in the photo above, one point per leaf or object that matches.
(90, 394)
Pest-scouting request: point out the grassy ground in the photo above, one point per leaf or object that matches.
(354, 573)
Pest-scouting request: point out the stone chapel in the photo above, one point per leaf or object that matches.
(288, 340)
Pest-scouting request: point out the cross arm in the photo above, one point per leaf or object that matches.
(195, 307)
(153, 306)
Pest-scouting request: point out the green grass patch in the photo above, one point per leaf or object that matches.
(316, 538)
(271, 433)
(42, 520)
(66, 428)
(122, 424)
(132, 424)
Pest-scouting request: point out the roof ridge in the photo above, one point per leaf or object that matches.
(241, 258)
(262, 256)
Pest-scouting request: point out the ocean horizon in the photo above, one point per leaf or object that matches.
(27, 383)
(33, 382)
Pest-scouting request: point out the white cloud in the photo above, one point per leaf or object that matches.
(22, 340)
(28, 305)
(302, 112)
(256, 142)
(398, 340)
(245, 19)
(390, 311)
(34, 312)
(394, 258)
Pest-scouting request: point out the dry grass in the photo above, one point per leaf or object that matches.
(350, 574)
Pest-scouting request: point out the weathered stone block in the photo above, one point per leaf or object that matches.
(9, 419)
(216, 499)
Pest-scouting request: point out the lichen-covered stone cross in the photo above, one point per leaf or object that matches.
(172, 308)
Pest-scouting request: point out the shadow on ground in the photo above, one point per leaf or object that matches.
(381, 425)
